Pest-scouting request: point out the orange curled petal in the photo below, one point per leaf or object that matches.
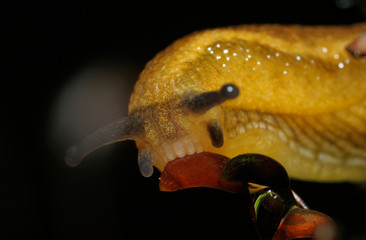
(306, 223)
(198, 170)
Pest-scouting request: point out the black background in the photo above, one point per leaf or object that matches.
(48, 44)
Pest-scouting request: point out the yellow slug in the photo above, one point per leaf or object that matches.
(294, 93)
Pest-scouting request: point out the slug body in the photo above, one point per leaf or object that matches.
(293, 93)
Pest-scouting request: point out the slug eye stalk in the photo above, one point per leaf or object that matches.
(208, 100)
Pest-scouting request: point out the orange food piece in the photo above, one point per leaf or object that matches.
(198, 170)
(306, 223)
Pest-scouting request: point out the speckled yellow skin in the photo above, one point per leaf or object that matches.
(302, 97)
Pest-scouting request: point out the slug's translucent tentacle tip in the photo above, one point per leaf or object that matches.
(145, 162)
(72, 156)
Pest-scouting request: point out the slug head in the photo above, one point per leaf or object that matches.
(163, 132)
(183, 126)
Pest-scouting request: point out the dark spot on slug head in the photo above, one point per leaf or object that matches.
(216, 135)
(207, 100)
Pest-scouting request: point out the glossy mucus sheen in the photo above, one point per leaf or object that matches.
(269, 210)
(301, 101)
(258, 169)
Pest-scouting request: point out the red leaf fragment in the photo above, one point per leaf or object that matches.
(306, 223)
(198, 170)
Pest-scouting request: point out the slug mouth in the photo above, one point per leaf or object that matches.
(198, 170)
(181, 148)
